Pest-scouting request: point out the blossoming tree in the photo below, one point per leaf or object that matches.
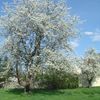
(33, 27)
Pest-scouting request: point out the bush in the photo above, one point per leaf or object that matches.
(59, 79)
(72, 81)
(2, 79)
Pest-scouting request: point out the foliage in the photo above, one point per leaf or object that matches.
(90, 66)
(4, 68)
(58, 79)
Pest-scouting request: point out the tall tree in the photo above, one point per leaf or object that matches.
(34, 26)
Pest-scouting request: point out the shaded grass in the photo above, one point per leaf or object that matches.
(36, 91)
(64, 94)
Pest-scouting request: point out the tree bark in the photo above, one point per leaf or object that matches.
(17, 73)
(27, 87)
(90, 83)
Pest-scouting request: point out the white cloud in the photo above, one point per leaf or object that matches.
(96, 37)
(89, 33)
(74, 43)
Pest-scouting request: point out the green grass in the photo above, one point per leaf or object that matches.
(67, 94)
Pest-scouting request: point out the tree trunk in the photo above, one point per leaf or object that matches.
(90, 83)
(17, 74)
(36, 52)
(28, 84)
(27, 87)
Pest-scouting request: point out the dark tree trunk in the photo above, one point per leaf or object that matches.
(27, 87)
(37, 45)
(36, 52)
(17, 73)
(90, 83)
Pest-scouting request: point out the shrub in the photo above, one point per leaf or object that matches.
(72, 81)
(59, 79)
(2, 79)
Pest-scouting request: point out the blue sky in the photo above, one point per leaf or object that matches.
(89, 12)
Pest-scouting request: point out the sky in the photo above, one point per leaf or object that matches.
(89, 29)
(89, 13)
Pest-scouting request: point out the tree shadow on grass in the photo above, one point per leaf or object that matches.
(16, 91)
(19, 91)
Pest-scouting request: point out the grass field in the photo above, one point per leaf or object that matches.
(67, 94)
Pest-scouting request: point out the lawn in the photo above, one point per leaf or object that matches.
(67, 94)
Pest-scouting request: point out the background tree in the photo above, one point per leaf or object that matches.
(90, 67)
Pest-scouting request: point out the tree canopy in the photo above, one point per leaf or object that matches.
(35, 29)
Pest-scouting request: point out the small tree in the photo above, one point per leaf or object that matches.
(90, 67)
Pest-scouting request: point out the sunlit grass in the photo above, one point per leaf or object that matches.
(66, 94)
